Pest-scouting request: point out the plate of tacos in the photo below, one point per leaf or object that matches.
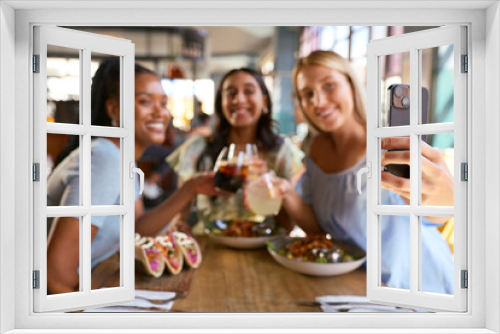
(243, 233)
(316, 255)
(168, 253)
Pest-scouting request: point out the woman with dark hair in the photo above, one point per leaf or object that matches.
(63, 185)
(243, 110)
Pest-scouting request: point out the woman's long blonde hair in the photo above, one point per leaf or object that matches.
(334, 61)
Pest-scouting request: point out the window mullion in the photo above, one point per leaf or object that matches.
(436, 211)
(414, 170)
(128, 186)
(85, 170)
(66, 211)
(77, 129)
(109, 210)
(422, 129)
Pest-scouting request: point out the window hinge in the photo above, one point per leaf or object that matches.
(36, 279)
(465, 64)
(464, 172)
(36, 172)
(36, 63)
(465, 279)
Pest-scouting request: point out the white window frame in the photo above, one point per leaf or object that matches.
(376, 130)
(85, 44)
(483, 20)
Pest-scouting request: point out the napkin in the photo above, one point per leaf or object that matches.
(368, 307)
(139, 302)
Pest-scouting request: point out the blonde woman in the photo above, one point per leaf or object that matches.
(326, 199)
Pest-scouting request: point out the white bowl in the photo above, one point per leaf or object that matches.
(241, 242)
(315, 268)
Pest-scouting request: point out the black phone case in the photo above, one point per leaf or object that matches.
(400, 116)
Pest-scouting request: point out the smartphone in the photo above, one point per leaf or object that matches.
(399, 115)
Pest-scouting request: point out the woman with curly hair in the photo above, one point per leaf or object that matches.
(63, 184)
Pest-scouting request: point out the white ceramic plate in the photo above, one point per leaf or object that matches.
(314, 268)
(241, 242)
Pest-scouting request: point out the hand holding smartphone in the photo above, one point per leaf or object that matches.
(399, 115)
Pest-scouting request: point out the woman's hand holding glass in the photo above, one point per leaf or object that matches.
(203, 183)
(235, 165)
(263, 195)
(437, 181)
(257, 166)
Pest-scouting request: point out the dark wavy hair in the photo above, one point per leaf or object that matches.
(266, 137)
(105, 85)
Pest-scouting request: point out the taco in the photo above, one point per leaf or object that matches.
(149, 256)
(171, 252)
(190, 249)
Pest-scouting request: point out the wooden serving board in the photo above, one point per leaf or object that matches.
(107, 274)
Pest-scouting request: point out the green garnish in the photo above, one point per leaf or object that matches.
(216, 231)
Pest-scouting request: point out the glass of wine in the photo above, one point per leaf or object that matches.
(232, 166)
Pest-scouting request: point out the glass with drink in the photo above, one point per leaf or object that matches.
(232, 166)
(262, 196)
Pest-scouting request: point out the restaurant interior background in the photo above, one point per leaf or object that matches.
(191, 61)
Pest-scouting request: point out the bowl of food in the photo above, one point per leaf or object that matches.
(316, 255)
(243, 233)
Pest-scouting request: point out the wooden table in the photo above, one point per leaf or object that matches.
(234, 280)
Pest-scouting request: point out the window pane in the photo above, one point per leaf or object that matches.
(395, 89)
(105, 246)
(342, 47)
(433, 169)
(180, 103)
(342, 32)
(395, 174)
(63, 254)
(63, 170)
(327, 38)
(438, 79)
(437, 265)
(105, 97)
(395, 251)
(105, 171)
(63, 85)
(359, 40)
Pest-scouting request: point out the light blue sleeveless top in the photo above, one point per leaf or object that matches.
(341, 212)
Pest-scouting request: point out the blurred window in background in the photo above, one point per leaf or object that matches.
(181, 98)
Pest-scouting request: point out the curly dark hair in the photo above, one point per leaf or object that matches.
(266, 137)
(105, 85)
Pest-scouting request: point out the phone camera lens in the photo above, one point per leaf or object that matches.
(405, 102)
(398, 91)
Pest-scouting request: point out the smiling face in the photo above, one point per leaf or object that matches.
(326, 97)
(151, 113)
(242, 100)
